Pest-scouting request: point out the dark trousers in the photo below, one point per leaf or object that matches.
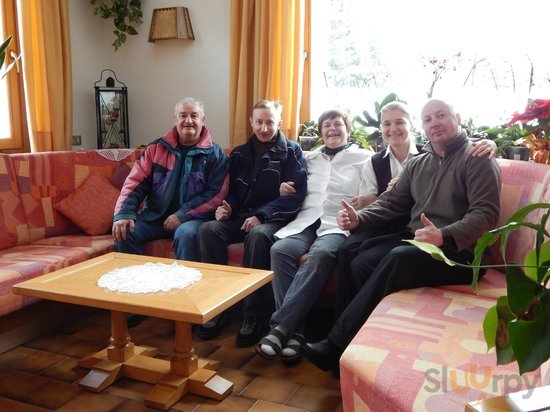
(214, 236)
(385, 264)
(347, 251)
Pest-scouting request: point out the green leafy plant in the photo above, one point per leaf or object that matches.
(309, 136)
(366, 126)
(3, 54)
(3, 49)
(123, 12)
(506, 136)
(523, 128)
(518, 326)
(309, 129)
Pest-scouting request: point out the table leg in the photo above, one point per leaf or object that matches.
(184, 361)
(120, 349)
(185, 375)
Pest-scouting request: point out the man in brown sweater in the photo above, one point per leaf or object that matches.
(452, 199)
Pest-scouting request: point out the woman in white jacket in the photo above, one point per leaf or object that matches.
(335, 172)
(338, 170)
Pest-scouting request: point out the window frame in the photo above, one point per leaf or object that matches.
(16, 96)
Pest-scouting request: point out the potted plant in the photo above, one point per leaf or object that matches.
(518, 326)
(535, 120)
(526, 135)
(308, 135)
(123, 12)
(509, 140)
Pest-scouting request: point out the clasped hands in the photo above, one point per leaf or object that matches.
(347, 220)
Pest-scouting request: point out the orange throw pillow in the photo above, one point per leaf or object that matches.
(91, 206)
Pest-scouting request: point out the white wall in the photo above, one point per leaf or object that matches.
(157, 74)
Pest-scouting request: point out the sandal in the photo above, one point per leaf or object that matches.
(276, 348)
(295, 343)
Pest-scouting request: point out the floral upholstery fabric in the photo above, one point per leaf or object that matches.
(13, 222)
(24, 262)
(424, 349)
(34, 238)
(163, 248)
(46, 178)
(94, 245)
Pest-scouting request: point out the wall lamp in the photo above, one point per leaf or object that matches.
(171, 23)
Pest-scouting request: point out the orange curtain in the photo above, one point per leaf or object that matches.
(267, 61)
(45, 47)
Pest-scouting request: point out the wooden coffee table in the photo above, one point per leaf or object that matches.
(220, 287)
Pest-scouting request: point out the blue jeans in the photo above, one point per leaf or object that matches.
(184, 238)
(296, 289)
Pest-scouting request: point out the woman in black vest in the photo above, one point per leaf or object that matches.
(383, 169)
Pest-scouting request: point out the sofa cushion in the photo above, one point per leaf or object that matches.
(523, 183)
(29, 261)
(95, 245)
(423, 349)
(492, 285)
(119, 175)
(163, 248)
(46, 178)
(91, 205)
(14, 229)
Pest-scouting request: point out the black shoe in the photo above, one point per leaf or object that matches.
(252, 330)
(324, 354)
(214, 326)
(133, 319)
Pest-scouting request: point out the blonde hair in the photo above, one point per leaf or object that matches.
(269, 104)
(396, 106)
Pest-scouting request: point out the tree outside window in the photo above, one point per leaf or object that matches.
(471, 54)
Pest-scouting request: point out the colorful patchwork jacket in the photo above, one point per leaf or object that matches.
(204, 180)
(254, 187)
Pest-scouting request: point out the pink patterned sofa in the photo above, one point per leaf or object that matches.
(421, 349)
(424, 350)
(34, 237)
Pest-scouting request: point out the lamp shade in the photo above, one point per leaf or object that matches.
(171, 23)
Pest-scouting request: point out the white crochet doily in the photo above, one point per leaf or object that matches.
(115, 154)
(149, 278)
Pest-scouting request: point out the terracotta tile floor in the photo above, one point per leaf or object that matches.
(42, 374)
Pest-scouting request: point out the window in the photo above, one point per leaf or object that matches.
(486, 58)
(12, 116)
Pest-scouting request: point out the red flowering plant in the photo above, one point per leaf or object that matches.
(525, 129)
(535, 118)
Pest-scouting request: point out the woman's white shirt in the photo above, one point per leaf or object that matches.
(395, 166)
(328, 182)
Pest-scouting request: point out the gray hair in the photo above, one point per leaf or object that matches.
(189, 101)
(333, 114)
